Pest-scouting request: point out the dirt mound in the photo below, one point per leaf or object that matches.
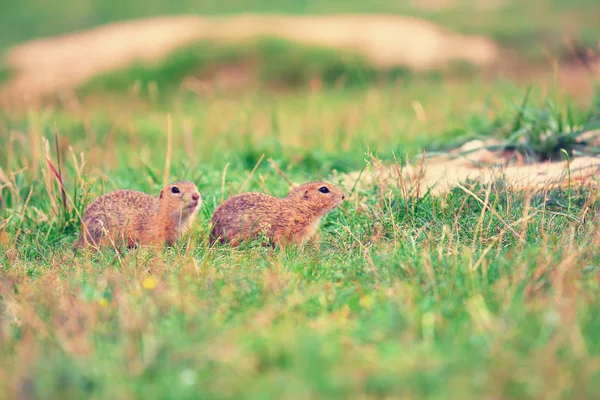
(441, 174)
(49, 65)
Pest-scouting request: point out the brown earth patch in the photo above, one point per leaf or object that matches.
(60, 63)
(441, 174)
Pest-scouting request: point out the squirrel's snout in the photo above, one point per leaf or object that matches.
(194, 201)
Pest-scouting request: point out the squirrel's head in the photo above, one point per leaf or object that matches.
(321, 196)
(180, 198)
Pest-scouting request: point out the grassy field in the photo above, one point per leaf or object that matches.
(404, 296)
(479, 293)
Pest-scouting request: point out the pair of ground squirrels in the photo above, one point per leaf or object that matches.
(137, 218)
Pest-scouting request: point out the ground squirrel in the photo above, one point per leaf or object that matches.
(293, 219)
(136, 218)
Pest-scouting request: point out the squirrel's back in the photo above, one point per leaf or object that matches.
(120, 211)
(244, 214)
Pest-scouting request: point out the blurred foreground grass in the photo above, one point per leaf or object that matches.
(405, 297)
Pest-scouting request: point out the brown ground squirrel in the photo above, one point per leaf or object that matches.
(136, 218)
(293, 219)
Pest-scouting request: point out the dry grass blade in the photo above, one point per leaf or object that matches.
(479, 226)
(280, 172)
(510, 228)
(58, 173)
(223, 180)
(169, 150)
(22, 216)
(251, 174)
(366, 249)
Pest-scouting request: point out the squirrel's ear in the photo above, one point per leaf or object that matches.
(306, 195)
(160, 195)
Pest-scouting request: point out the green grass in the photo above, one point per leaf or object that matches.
(540, 133)
(4, 73)
(263, 62)
(405, 296)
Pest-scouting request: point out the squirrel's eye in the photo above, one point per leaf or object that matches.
(174, 189)
(323, 189)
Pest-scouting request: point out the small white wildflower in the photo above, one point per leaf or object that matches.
(187, 377)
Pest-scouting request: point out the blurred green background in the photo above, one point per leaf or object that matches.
(514, 22)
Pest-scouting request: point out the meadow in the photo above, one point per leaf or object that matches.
(484, 293)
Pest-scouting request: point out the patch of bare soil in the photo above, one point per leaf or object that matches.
(441, 174)
(60, 63)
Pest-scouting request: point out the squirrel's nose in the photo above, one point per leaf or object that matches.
(343, 196)
(196, 196)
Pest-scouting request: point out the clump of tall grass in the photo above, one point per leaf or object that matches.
(540, 132)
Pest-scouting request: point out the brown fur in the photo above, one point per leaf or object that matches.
(293, 219)
(136, 218)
